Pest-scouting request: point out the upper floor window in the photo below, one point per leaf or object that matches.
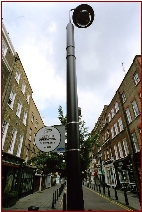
(12, 142)
(125, 145)
(20, 146)
(11, 99)
(112, 132)
(36, 123)
(28, 98)
(116, 152)
(135, 108)
(109, 117)
(129, 118)
(5, 125)
(32, 118)
(116, 107)
(23, 88)
(135, 142)
(120, 124)
(120, 149)
(123, 97)
(112, 112)
(19, 107)
(25, 118)
(17, 76)
(136, 78)
(116, 128)
(30, 134)
(4, 47)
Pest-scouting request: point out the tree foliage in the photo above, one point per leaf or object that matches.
(54, 162)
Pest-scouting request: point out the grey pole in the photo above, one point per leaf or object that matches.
(74, 178)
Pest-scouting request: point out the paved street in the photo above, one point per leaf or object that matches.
(93, 200)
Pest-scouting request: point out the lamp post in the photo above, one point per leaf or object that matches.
(83, 17)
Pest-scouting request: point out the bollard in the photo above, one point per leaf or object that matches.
(125, 195)
(99, 188)
(53, 202)
(33, 208)
(64, 202)
(116, 197)
(55, 197)
(57, 194)
(108, 191)
(104, 189)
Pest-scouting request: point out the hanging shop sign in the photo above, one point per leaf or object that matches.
(49, 139)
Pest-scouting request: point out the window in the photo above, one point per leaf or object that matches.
(120, 150)
(135, 142)
(4, 47)
(116, 152)
(17, 77)
(25, 118)
(123, 97)
(18, 112)
(30, 134)
(11, 99)
(20, 146)
(23, 88)
(12, 142)
(125, 147)
(109, 117)
(112, 132)
(4, 132)
(36, 123)
(120, 124)
(135, 108)
(136, 78)
(28, 98)
(112, 112)
(32, 118)
(129, 118)
(116, 128)
(107, 152)
(116, 107)
(26, 159)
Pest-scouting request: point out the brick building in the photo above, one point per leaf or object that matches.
(18, 108)
(117, 157)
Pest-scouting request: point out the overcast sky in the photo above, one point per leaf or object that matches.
(38, 33)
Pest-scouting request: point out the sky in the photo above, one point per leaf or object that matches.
(38, 33)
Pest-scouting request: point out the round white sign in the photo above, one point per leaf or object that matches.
(47, 139)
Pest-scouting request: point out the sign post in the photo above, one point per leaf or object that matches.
(50, 138)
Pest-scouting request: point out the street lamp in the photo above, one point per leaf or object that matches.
(83, 17)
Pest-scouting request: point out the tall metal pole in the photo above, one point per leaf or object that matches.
(74, 179)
